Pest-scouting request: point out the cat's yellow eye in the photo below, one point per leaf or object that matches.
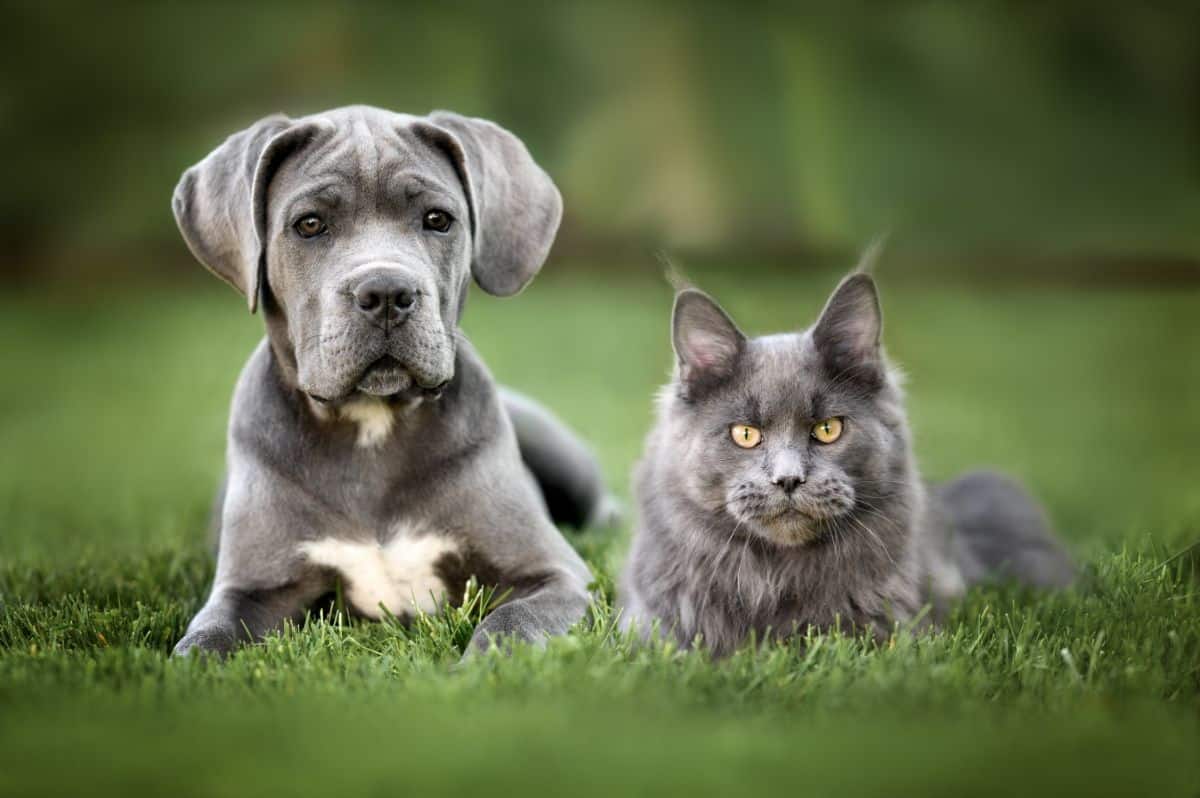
(827, 431)
(745, 435)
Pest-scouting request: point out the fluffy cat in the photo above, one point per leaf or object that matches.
(779, 490)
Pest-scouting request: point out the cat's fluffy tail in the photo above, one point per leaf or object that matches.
(563, 465)
(1003, 533)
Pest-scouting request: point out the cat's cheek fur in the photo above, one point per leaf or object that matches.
(704, 485)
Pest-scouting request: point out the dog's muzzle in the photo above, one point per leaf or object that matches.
(387, 299)
(385, 377)
(382, 334)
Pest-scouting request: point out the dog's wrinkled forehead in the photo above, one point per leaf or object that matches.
(368, 160)
(512, 207)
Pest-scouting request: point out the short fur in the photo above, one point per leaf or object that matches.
(367, 440)
(794, 533)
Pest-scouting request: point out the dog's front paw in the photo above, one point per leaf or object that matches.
(506, 625)
(206, 641)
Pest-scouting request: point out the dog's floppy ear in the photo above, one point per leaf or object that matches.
(515, 207)
(220, 203)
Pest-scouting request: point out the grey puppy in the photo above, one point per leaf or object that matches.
(779, 490)
(367, 440)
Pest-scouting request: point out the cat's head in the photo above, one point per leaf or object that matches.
(796, 436)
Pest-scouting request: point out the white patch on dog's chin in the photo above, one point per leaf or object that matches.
(374, 417)
(398, 575)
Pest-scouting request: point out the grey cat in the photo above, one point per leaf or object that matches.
(779, 490)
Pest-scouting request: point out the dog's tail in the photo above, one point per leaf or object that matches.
(565, 468)
(1003, 533)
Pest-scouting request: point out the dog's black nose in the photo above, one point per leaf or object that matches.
(789, 483)
(386, 298)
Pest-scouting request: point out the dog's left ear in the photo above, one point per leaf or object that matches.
(515, 207)
(220, 203)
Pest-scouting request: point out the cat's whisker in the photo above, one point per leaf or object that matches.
(876, 539)
(835, 529)
(737, 577)
(876, 511)
(719, 556)
(884, 481)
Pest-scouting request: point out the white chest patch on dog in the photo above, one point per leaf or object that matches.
(398, 575)
(374, 417)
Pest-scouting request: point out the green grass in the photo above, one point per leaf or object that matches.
(112, 413)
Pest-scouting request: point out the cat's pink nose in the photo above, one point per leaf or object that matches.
(789, 483)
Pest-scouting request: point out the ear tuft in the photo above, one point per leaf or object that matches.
(847, 333)
(707, 342)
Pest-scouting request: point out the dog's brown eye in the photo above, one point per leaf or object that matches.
(438, 221)
(310, 226)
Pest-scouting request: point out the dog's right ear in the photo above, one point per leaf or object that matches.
(515, 206)
(220, 203)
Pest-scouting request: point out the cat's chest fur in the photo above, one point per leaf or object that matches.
(722, 586)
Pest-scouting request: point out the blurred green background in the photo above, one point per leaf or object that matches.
(1038, 170)
(1008, 137)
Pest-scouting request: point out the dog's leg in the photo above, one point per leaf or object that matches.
(503, 526)
(565, 469)
(551, 609)
(232, 616)
(262, 579)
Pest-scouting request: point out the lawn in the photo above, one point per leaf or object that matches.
(112, 412)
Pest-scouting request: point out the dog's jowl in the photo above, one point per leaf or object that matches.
(367, 441)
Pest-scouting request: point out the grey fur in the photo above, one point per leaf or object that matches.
(723, 550)
(448, 458)
(565, 469)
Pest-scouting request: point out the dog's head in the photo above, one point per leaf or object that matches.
(360, 229)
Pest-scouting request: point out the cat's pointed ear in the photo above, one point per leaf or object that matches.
(707, 342)
(847, 334)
